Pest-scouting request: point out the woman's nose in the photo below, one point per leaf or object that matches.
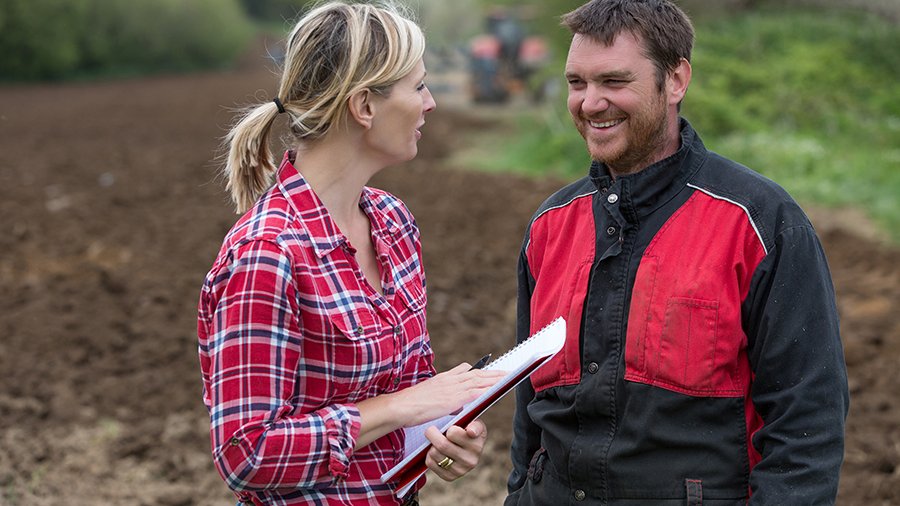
(429, 104)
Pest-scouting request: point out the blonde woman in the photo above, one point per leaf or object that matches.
(313, 345)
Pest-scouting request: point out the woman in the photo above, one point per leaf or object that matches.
(313, 344)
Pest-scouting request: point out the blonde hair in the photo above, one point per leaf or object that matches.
(334, 51)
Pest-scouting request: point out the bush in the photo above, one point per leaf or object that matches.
(273, 10)
(54, 39)
(810, 98)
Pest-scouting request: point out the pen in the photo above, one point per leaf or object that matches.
(483, 362)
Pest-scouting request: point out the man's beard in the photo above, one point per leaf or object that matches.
(644, 139)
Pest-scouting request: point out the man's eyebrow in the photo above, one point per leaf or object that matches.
(612, 74)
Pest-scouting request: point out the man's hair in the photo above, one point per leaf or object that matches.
(664, 30)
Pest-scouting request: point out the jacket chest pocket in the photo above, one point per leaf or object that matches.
(684, 344)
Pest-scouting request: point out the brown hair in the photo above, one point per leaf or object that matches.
(664, 29)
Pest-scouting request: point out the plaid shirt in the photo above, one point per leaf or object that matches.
(292, 335)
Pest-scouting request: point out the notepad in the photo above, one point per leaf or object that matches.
(518, 363)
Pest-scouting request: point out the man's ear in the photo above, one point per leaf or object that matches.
(361, 108)
(678, 81)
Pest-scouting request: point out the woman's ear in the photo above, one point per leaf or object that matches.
(361, 108)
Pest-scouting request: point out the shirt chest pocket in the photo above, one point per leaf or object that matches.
(412, 312)
(358, 350)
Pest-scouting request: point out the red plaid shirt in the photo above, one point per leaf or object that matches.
(292, 336)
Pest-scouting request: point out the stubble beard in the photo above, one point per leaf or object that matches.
(644, 139)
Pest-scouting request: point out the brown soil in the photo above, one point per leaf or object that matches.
(112, 212)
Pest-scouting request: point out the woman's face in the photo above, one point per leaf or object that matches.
(399, 117)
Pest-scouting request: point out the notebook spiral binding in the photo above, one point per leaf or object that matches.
(534, 337)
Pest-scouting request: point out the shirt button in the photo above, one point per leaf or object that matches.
(613, 198)
(235, 441)
(611, 231)
(579, 495)
(359, 330)
(397, 381)
(398, 329)
(593, 367)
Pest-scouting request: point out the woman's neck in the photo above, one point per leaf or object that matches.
(337, 172)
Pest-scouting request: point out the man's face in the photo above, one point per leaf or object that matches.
(616, 103)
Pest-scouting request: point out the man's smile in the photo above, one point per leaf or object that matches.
(605, 124)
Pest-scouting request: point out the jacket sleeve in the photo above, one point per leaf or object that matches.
(800, 378)
(526, 435)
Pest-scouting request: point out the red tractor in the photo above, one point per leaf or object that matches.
(503, 61)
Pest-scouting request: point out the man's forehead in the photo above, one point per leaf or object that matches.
(584, 50)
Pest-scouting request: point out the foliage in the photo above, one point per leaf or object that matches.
(54, 39)
(273, 10)
(810, 98)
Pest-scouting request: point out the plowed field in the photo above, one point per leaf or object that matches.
(112, 211)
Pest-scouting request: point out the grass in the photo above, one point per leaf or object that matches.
(810, 98)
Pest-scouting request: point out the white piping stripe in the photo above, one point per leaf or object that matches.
(746, 211)
(545, 211)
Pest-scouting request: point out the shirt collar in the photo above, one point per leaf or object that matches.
(643, 192)
(324, 234)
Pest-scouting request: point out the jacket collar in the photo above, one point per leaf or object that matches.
(643, 192)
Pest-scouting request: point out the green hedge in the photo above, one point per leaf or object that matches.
(55, 39)
(808, 97)
(274, 10)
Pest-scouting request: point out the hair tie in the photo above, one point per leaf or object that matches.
(279, 104)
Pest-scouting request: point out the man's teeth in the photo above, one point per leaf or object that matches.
(605, 124)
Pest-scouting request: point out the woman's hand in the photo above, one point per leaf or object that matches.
(462, 447)
(433, 398)
(444, 393)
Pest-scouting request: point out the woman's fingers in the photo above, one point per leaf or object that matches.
(446, 392)
(456, 453)
(477, 430)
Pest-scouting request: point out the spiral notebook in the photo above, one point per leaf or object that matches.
(519, 363)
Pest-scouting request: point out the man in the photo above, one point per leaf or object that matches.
(703, 363)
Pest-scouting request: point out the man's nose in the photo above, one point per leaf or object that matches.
(595, 100)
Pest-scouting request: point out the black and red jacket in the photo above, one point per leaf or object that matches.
(703, 362)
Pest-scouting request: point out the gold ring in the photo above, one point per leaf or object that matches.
(446, 463)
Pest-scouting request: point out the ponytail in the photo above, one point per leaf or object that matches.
(335, 50)
(249, 167)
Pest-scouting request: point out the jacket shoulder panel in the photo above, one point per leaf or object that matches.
(770, 208)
